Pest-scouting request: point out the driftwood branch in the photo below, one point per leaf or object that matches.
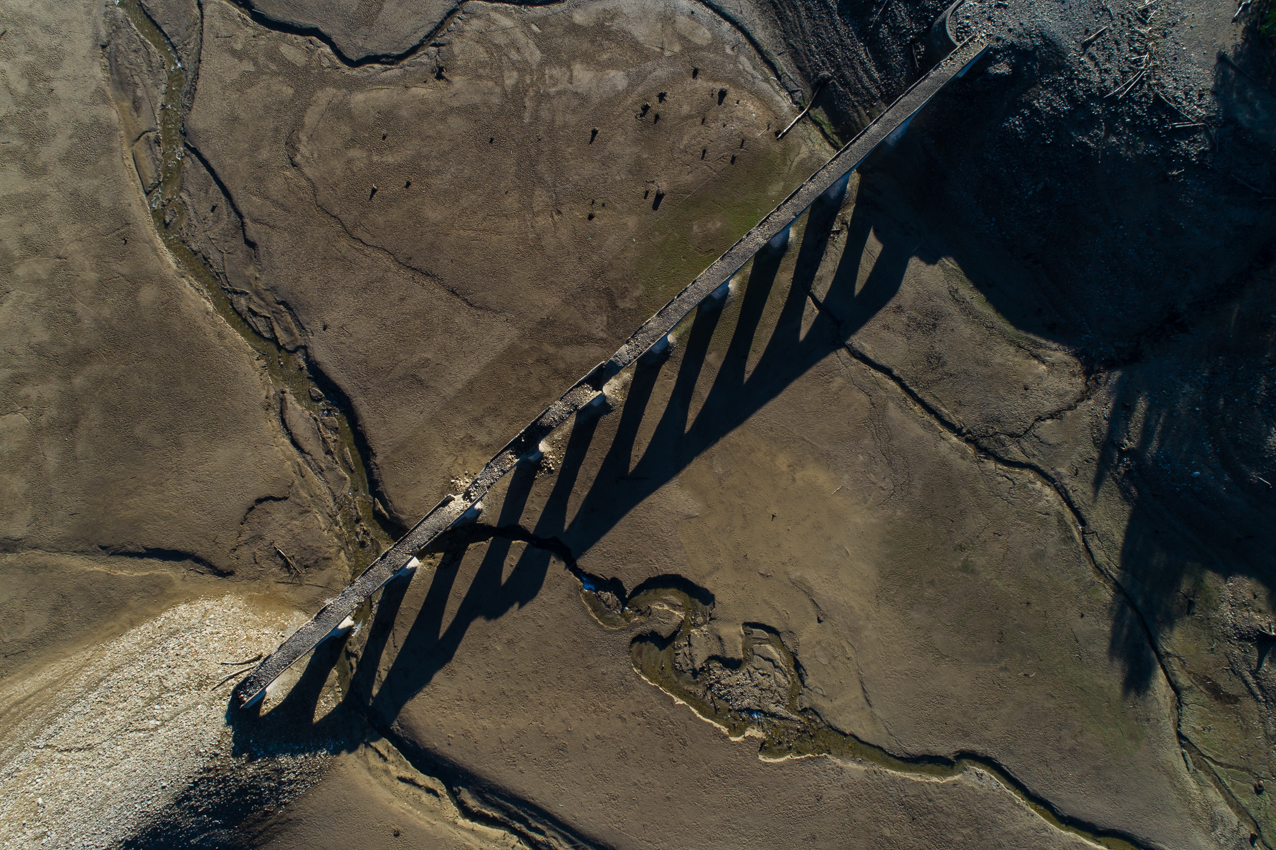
(1093, 38)
(229, 676)
(292, 567)
(252, 660)
(819, 88)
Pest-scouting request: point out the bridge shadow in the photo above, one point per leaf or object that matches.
(619, 482)
(223, 810)
(1189, 440)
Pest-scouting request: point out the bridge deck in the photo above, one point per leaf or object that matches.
(333, 616)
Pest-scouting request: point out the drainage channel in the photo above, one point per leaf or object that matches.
(721, 691)
(365, 533)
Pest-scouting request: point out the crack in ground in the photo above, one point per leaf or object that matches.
(477, 800)
(1093, 383)
(380, 249)
(356, 518)
(1205, 306)
(1118, 590)
(426, 41)
(274, 24)
(225, 190)
(159, 553)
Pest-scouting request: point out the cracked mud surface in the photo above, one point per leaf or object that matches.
(954, 522)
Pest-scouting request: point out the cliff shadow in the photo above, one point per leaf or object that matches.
(1136, 232)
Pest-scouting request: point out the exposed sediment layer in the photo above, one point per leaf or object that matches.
(773, 228)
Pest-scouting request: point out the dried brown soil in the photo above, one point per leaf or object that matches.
(964, 493)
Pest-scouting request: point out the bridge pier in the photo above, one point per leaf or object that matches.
(780, 241)
(594, 407)
(837, 191)
(897, 134)
(471, 515)
(407, 569)
(534, 456)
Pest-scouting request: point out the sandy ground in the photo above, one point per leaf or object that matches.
(99, 742)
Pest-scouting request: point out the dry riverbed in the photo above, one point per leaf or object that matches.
(918, 520)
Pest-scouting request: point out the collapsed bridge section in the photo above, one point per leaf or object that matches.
(401, 558)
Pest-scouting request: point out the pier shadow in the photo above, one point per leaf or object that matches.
(619, 482)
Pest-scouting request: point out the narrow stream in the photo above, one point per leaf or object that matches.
(365, 532)
(720, 691)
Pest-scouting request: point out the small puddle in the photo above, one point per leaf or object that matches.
(364, 531)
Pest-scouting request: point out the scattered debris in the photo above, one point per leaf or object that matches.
(818, 88)
(1126, 87)
(224, 679)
